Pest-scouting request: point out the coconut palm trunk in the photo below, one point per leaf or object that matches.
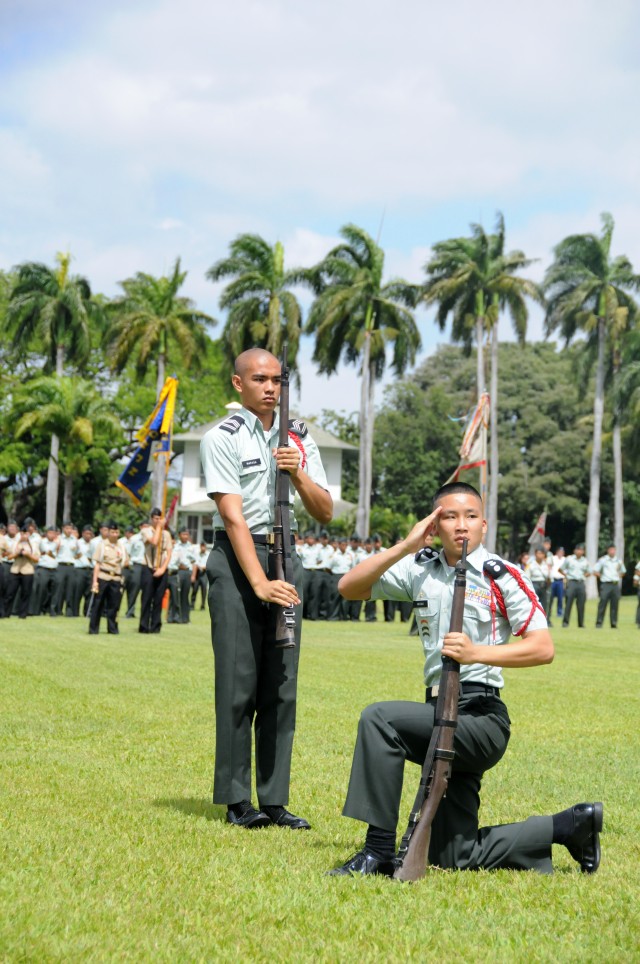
(53, 472)
(67, 499)
(618, 498)
(593, 511)
(494, 469)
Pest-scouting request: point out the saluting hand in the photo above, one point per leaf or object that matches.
(417, 538)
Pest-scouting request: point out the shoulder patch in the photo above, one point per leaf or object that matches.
(495, 568)
(298, 427)
(426, 555)
(232, 424)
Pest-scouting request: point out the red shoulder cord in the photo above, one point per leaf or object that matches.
(297, 442)
(497, 596)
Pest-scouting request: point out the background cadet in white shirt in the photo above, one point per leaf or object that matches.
(82, 572)
(609, 570)
(67, 548)
(43, 593)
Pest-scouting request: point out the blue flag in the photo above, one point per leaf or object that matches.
(157, 429)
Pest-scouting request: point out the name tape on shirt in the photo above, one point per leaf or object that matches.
(249, 463)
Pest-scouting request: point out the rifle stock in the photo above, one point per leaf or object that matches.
(280, 541)
(413, 855)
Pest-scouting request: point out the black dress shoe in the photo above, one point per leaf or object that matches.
(364, 863)
(282, 818)
(584, 842)
(243, 814)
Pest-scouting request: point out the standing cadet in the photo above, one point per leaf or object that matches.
(636, 583)
(309, 558)
(23, 556)
(609, 570)
(321, 608)
(341, 563)
(184, 554)
(355, 605)
(108, 562)
(576, 569)
(63, 583)
(43, 594)
(391, 733)
(557, 582)
(82, 573)
(153, 580)
(201, 585)
(255, 679)
(539, 572)
(135, 550)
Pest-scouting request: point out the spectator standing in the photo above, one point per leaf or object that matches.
(609, 570)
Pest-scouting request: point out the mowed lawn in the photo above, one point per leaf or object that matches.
(112, 850)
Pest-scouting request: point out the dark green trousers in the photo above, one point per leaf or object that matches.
(577, 590)
(609, 595)
(391, 733)
(255, 684)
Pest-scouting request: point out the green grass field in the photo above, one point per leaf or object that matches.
(111, 849)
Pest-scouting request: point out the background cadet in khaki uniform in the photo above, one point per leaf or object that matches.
(82, 573)
(154, 578)
(609, 570)
(63, 584)
(576, 569)
(256, 681)
(107, 583)
(393, 732)
(23, 555)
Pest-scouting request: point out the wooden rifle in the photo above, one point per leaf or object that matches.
(413, 855)
(281, 562)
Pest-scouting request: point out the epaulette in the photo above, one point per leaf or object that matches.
(298, 427)
(495, 568)
(232, 424)
(426, 555)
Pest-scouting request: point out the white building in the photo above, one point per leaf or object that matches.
(196, 507)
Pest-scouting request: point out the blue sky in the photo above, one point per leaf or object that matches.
(133, 132)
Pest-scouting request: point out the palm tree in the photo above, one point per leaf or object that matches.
(72, 409)
(472, 279)
(149, 320)
(53, 309)
(589, 291)
(262, 311)
(356, 317)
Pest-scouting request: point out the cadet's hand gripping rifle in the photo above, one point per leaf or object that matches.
(413, 854)
(280, 539)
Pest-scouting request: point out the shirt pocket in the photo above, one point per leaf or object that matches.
(479, 622)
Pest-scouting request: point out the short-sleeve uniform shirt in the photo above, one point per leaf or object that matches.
(237, 459)
(430, 585)
(609, 569)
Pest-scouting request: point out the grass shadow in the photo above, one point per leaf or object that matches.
(194, 807)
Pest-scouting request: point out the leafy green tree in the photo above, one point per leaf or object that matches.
(356, 317)
(262, 310)
(73, 410)
(152, 323)
(588, 290)
(473, 280)
(52, 309)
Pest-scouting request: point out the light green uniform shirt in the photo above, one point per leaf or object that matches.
(430, 585)
(342, 562)
(136, 549)
(67, 549)
(184, 554)
(83, 555)
(48, 554)
(237, 460)
(575, 568)
(611, 570)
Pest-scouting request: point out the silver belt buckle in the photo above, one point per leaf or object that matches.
(435, 690)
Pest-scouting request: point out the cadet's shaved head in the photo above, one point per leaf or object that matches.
(253, 358)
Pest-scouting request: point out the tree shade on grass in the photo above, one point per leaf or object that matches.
(112, 849)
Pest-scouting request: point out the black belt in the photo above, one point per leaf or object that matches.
(221, 535)
(432, 691)
(65, 563)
